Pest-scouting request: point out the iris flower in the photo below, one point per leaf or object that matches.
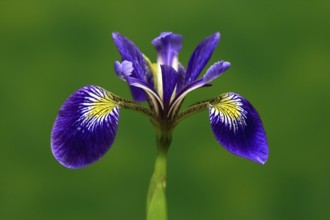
(87, 122)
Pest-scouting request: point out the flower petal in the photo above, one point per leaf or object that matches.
(124, 68)
(168, 46)
(131, 53)
(212, 73)
(215, 70)
(170, 78)
(181, 78)
(136, 83)
(181, 95)
(85, 127)
(238, 127)
(201, 56)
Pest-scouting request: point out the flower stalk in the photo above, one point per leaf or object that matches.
(156, 198)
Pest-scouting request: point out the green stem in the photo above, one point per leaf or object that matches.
(156, 198)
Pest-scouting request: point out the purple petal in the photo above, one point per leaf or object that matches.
(181, 78)
(181, 95)
(138, 94)
(118, 68)
(125, 68)
(131, 53)
(238, 127)
(168, 46)
(215, 70)
(85, 127)
(201, 56)
(170, 77)
(139, 84)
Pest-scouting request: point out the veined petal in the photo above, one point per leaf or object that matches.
(123, 71)
(215, 70)
(238, 127)
(131, 53)
(181, 95)
(181, 78)
(170, 78)
(212, 73)
(168, 46)
(200, 57)
(134, 82)
(85, 127)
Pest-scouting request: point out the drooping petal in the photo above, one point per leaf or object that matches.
(85, 127)
(168, 46)
(131, 53)
(170, 77)
(201, 56)
(238, 127)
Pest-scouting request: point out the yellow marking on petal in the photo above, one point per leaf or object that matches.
(98, 105)
(101, 108)
(231, 112)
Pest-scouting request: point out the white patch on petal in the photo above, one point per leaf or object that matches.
(160, 81)
(96, 108)
(229, 111)
(175, 63)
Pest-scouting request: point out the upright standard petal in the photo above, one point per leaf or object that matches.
(168, 46)
(131, 53)
(238, 127)
(170, 78)
(85, 127)
(201, 56)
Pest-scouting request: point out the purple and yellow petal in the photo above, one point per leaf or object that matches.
(200, 57)
(238, 127)
(85, 127)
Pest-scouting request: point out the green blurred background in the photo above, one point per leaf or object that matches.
(280, 54)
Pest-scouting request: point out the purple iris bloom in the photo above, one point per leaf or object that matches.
(87, 122)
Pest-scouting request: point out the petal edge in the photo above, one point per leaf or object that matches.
(85, 127)
(238, 127)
